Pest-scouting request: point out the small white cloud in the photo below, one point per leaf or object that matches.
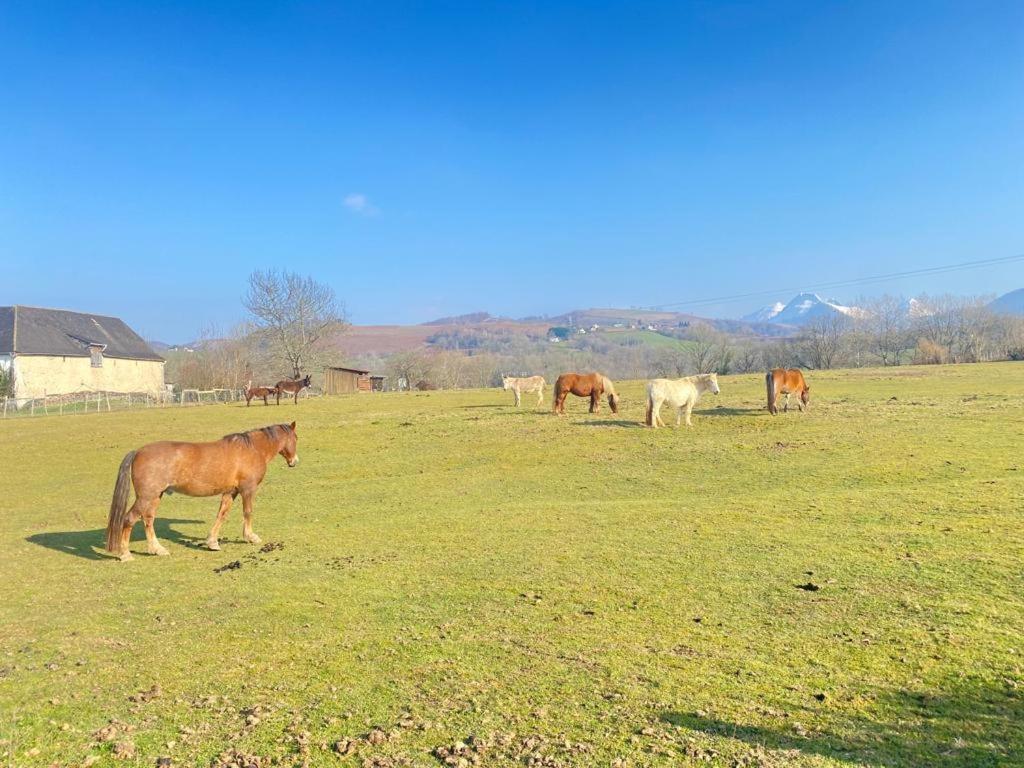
(359, 204)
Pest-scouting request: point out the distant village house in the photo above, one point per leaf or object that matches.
(56, 352)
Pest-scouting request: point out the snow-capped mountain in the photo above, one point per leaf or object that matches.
(916, 308)
(765, 314)
(801, 309)
(1011, 303)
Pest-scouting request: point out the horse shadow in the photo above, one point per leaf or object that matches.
(90, 544)
(722, 410)
(624, 423)
(964, 724)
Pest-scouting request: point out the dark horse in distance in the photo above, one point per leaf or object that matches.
(264, 392)
(233, 465)
(592, 385)
(292, 385)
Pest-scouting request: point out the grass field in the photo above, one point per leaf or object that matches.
(458, 580)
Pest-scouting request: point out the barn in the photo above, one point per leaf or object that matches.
(340, 381)
(59, 352)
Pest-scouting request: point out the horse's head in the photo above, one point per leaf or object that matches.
(289, 450)
(712, 379)
(805, 395)
(506, 382)
(308, 381)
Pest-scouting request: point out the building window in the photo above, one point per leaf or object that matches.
(96, 354)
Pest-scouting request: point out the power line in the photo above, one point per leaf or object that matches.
(845, 283)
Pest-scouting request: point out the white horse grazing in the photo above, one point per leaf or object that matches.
(681, 394)
(528, 384)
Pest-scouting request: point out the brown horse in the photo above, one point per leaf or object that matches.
(591, 385)
(292, 385)
(264, 392)
(781, 381)
(233, 465)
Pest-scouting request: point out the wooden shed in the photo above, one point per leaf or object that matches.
(342, 381)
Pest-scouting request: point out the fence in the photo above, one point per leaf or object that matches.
(98, 402)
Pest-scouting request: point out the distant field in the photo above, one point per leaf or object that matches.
(458, 579)
(645, 338)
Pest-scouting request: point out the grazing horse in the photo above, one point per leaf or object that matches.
(591, 385)
(528, 384)
(292, 385)
(264, 392)
(233, 465)
(681, 394)
(786, 382)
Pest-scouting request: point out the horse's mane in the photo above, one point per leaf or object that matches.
(608, 386)
(246, 437)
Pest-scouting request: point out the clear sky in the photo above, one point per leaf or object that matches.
(522, 158)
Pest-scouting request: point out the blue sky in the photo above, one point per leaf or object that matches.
(430, 159)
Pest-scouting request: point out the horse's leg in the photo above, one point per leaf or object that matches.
(595, 401)
(785, 408)
(518, 396)
(689, 410)
(153, 546)
(222, 515)
(247, 532)
(126, 532)
(540, 395)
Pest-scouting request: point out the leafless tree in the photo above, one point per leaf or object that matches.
(884, 329)
(705, 348)
(823, 340)
(411, 367)
(294, 314)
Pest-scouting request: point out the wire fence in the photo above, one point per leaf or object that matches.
(106, 402)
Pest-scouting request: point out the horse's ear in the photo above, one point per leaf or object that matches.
(293, 426)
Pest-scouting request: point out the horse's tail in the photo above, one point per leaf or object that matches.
(119, 503)
(769, 383)
(649, 418)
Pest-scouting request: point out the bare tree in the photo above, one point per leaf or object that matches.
(705, 347)
(884, 328)
(411, 366)
(823, 340)
(294, 314)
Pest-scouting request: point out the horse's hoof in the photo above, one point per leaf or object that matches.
(125, 557)
(213, 546)
(159, 551)
(252, 538)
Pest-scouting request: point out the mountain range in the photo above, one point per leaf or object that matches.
(775, 320)
(1011, 303)
(801, 309)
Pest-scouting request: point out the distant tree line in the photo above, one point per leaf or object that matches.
(941, 329)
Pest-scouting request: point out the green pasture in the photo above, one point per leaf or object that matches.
(447, 580)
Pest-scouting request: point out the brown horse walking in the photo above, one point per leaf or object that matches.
(292, 385)
(264, 392)
(591, 385)
(233, 465)
(781, 381)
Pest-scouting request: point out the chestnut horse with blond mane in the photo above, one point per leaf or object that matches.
(233, 465)
(592, 385)
(781, 381)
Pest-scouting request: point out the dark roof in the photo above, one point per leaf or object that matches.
(35, 331)
(347, 370)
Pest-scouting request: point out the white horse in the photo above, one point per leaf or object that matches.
(528, 384)
(681, 394)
